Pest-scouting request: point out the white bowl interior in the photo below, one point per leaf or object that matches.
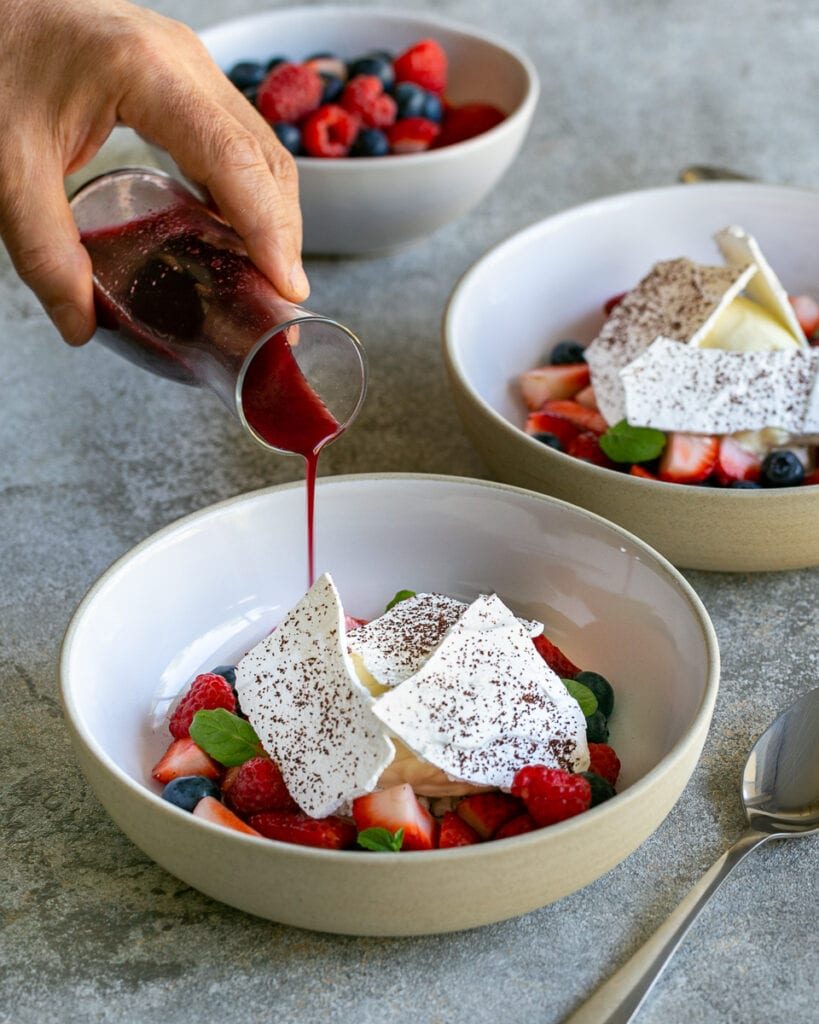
(550, 281)
(204, 590)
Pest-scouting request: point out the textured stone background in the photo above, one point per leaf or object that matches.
(97, 455)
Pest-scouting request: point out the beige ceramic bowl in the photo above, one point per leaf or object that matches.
(550, 282)
(205, 589)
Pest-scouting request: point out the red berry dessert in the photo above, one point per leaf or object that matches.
(393, 735)
(375, 105)
(702, 375)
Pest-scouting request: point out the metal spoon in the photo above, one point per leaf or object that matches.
(705, 172)
(780, 790)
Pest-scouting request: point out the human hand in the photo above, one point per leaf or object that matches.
(70, 70)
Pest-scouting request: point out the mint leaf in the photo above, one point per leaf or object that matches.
(402, 595)
(583, 695)
(624, 443)
(381, 840)
(228, 739)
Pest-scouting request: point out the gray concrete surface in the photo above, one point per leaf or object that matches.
(97, 455)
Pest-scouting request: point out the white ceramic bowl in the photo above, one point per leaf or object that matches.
(206, 588)
(369, 206)
(550, 282)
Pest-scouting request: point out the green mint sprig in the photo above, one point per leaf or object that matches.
(402, 595)
(381, 840)
(624, 443)
(583, 695)
(228, 739)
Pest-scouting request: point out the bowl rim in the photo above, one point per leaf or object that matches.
(520, 115)
(677, 754)
(554, 221)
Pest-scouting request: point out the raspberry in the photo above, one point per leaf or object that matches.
(604, 762)
(329, 131)
(425, 64)
(207, 692)
(289, 92)
(551, 795)
(365, 98)
(258, 786)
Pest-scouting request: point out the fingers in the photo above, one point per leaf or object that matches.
(43, 242)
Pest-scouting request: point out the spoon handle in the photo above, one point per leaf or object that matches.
(619, 998)
(704, 172)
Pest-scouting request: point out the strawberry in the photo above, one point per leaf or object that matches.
(585, 419)
(587, 398)
(586, 446)
(412, 135)
(735, 462)
(486, 812)
(329, 131)
(207, 692)
(209, 809)
(258, 786)
(467, 121)
(394, 808)
(551, 795)
(425, 64)
(294, 827)
(614, 301)
(636, 470)
(364, 98)
(542, 423)
(351, 623)
(539, 385)
(289, 92)
(455, 832)
(183, 757)
(516, 827)
(604, 762)
(688, 458)
(807, 313)
(555, 658)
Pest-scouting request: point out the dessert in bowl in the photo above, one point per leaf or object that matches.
(552, 282)
(206, 590)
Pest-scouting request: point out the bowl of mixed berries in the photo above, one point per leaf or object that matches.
(330, 756)
(399, 123)
(659, 366)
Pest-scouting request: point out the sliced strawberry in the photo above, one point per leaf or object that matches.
(467, 121)
(207, 692)
(332, 66)
(604, 762)
(587, 398)
(351, 623)
(585, 419)
(412, 135)
(640, 471)
(688, 458)
(394, 808)
(424, 63)
(209, 809)
(258, 786)
(555, 658)
(807, 313)
(613, 302)
(454, 831)
(516, 827)
(294, 827)
(586, 446)
(486, 812)
(542, 423)
(546, 382)
(735, 462)
(183, 757)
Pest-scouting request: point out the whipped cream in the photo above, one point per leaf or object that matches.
(300, 693)
(485, 703)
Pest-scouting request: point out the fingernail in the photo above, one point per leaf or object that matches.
(70, 322)
(299, 282)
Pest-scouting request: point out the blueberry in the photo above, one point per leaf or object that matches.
(411, 100)
(744, 485)
(601, 789)
(549, 439)
(187, 790)
(566, 352)
(601, 688)
(333, 88)
(370, 142)
(433, 108)
(321, 55)
(274, 62)
(227, 672)
(597, 731)
(289, 136)
(782, 469)
(381, 54)
(382, 69)
(247, 74)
